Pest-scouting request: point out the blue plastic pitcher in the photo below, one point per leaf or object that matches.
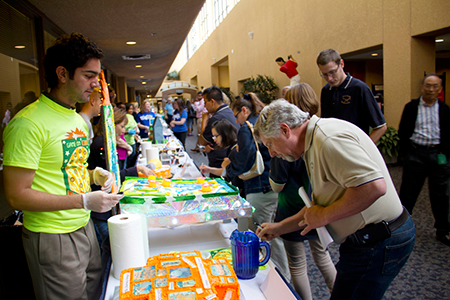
(245, 251)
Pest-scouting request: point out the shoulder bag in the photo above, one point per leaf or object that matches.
(258, 165)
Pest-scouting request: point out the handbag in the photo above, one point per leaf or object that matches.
(258, 165)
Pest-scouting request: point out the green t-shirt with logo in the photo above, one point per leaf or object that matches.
(53, 141)
(130, 125)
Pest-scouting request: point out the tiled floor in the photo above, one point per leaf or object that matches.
(427, 272)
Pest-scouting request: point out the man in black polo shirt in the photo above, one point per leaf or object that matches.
(219, 110)
(425, 145)
(347, 98)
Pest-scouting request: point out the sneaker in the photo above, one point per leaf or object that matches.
(195, 149)
(444, 239)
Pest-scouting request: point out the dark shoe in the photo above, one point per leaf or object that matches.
(444, 239)
(195, 149)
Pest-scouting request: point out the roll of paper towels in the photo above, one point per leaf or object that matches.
(129, 242)
(152, 153)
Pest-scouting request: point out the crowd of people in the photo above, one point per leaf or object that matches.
(333, 157)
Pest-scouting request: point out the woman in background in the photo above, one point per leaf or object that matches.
(130, 134)
(224, 135)
(145, 119)
(286, 178)
(191, 116)
(257, 189)
(178, 123)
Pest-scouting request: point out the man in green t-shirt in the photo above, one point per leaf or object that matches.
(46, 176)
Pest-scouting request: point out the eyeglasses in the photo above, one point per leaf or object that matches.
(332, 73)
(236, 115)
(214, 137)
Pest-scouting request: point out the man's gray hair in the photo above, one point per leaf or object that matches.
(271, 117)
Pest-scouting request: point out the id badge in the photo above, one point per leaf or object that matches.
(441, 159)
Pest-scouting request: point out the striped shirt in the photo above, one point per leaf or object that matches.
(427, 131)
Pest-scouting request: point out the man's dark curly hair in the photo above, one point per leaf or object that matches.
(70, 51)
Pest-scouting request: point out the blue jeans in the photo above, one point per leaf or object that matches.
(102, 230)
(365, 272)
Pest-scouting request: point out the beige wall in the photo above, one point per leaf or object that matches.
(285, 27)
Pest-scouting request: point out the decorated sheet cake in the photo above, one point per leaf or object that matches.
(159, 189)
(181, 276)
(167, 202)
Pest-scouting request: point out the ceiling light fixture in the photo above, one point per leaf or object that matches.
(374, 54)
(143, 82)
(138, 66)
(142, 76)
(19, 47)
(136, 57)
(439, 40)
(131, 43)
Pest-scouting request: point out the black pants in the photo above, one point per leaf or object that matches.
(182, 137)
(419, 164)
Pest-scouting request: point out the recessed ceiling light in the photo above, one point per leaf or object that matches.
(19, 46)
(375, 54)
(142, 76)
(138, 66)
(131, 43)
(439, 40)
(143, 82)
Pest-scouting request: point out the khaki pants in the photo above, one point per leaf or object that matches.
(64, 266)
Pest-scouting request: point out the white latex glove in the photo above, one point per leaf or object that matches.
(103, 178)
(99, 201)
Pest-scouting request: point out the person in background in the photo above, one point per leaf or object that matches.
(131, 134)
(289, 68)
(178, 123)
(112, 95)
(286, 178)
(145, 119)
(168, 110)
(284, 91)
(123, 149)
(7, 117)
(52, 185)
(353, 195)
(91, 109)
(200, 109)
(347, 98)
(424, 133)
(226, 100)
(218, 110)
(97, 159)
(136, 109)
(191, 116)
(257, 190)
(121, 105)
(29, 98)
(225, 136)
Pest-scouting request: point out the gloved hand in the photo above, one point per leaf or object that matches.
(103, 178)
(132, 131)
(100, 201)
